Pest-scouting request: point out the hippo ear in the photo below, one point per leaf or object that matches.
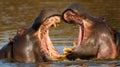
(102, 18)
(20, 31)
(11, 40)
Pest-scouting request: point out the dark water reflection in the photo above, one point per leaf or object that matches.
(64, 64)
(21, 13)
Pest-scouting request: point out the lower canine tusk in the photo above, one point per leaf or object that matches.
(55, 25)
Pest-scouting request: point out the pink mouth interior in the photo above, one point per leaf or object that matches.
(46, 44)
(79, 36)
(68, 17)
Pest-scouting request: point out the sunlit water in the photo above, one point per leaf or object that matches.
(21, 13)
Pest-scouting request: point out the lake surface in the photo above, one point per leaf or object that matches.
(15, 14)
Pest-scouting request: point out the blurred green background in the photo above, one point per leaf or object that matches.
(21, 13)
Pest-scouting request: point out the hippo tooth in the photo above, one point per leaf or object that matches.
(54, 24)
(67, 50)
(61, 57)
(74, 43)
(57, 24)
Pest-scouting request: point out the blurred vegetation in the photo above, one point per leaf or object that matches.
(15, 14)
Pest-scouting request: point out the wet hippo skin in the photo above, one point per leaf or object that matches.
(96, 38)
(33, 44)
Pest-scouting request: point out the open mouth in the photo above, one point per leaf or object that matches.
(77, 43)
(73, 18)
(80, 35)
(45, 41)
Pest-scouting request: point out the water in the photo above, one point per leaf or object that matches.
(15, 14)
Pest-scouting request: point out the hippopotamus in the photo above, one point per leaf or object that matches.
(33, 44)
(96, 38)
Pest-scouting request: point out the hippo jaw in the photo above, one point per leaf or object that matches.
(46, 44)
(73, 18)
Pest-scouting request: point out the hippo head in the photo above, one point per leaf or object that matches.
(93, 33)
(44, 15)
(49, 18)
(36, 38)
(75, 14)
